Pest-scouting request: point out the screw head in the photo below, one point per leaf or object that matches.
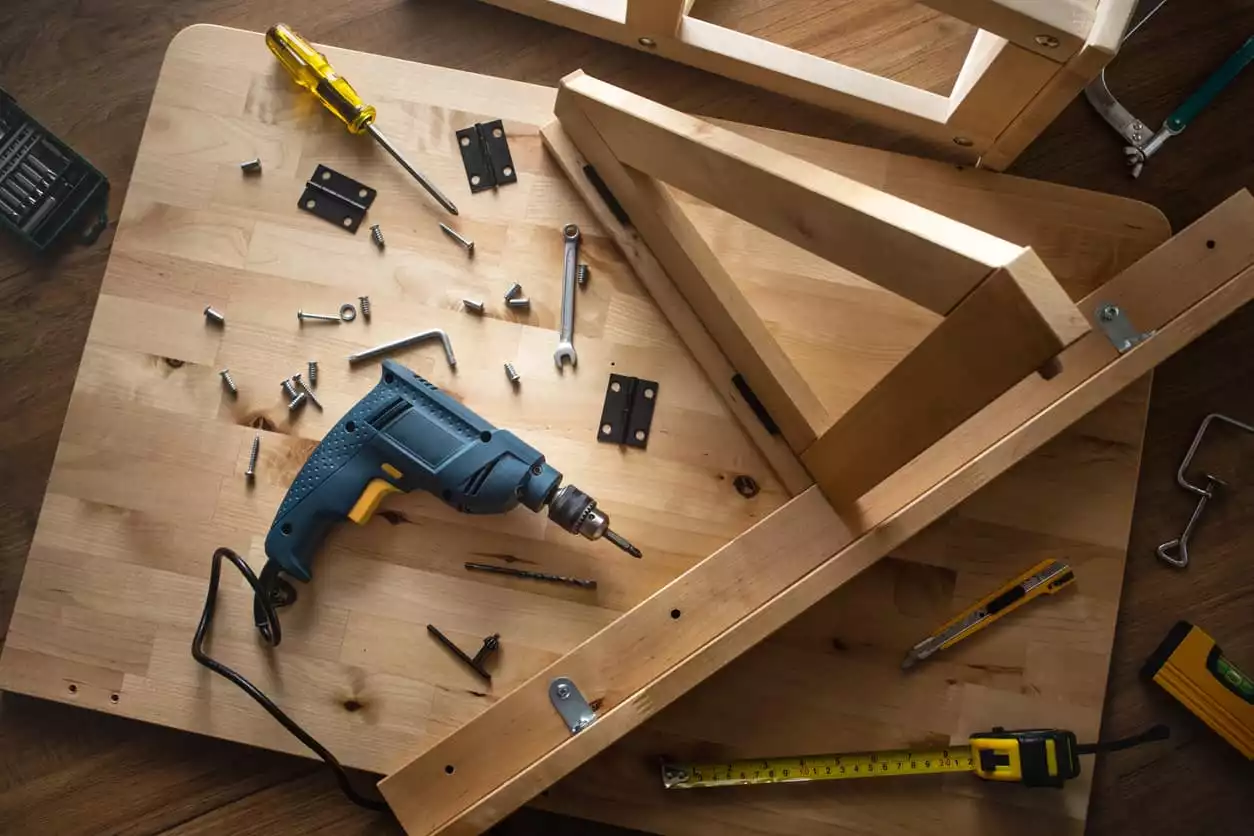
(1108, 313)
(1047, 41)
(648, 42)
(563, 691)
(963, 141)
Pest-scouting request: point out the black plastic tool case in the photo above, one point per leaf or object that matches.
(45, 187)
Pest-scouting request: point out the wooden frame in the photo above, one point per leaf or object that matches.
(880, 476)
(1029, 59)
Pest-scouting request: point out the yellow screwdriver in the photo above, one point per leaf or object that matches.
(312, 71)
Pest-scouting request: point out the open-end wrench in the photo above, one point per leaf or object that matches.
(565, 346)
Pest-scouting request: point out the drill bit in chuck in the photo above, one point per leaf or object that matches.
(577, 513)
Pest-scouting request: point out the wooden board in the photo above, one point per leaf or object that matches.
(148, 476)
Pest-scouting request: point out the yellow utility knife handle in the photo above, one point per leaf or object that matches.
(1003, 602)
(311, 70)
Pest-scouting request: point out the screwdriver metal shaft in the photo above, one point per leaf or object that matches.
(413, 172)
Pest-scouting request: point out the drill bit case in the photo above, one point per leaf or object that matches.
(45, 187)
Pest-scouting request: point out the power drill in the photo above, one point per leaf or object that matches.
(407, 434)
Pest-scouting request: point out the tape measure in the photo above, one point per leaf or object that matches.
(1032, 757)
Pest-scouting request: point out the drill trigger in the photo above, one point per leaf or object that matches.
(376, 489)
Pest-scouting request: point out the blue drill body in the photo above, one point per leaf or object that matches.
(407, 434)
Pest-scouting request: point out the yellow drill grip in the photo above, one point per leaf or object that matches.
(311, 70)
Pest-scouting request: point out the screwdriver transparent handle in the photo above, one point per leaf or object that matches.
(311, 70)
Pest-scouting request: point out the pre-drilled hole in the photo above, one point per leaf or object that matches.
(675, 613)
(449, 769)
(73, 688)
(113, 698)
(1210, 245)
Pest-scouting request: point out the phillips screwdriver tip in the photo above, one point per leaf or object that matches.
(622, 543)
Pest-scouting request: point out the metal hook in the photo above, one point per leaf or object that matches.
(1176, 552)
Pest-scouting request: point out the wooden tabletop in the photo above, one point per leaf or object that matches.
(260, 772)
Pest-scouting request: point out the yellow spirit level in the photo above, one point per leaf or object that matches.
(1192, 668)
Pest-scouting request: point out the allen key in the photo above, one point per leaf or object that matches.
(490, 645)
(1176, 552)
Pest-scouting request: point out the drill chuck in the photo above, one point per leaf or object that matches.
(576, 512)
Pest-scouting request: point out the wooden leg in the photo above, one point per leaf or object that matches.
(998, 80)
(991, 341)
(1049, 101)
(911, 251)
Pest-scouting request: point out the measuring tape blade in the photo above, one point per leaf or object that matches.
(818, 768)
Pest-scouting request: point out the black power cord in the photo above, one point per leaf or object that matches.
(267, 590)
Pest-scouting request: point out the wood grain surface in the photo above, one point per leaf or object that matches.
(149, 474)
(146, 779)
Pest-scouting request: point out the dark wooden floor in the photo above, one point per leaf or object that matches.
(87, 70)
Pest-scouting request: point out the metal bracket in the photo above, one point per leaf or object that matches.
(336, 198)
(575, 711)
(627, 415)
(1118, 328)
(485, 153)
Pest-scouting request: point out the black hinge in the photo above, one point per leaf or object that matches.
(627, 415)
(485, 154)
(336, 198)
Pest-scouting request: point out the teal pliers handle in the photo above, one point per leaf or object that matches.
(1204, 95)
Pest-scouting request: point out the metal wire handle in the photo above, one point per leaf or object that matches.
(1176, 552)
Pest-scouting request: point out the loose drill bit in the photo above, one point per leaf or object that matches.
(535, 576)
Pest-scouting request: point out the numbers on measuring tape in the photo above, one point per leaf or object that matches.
(830, 767)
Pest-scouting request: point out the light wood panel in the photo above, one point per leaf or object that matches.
(149, 476)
